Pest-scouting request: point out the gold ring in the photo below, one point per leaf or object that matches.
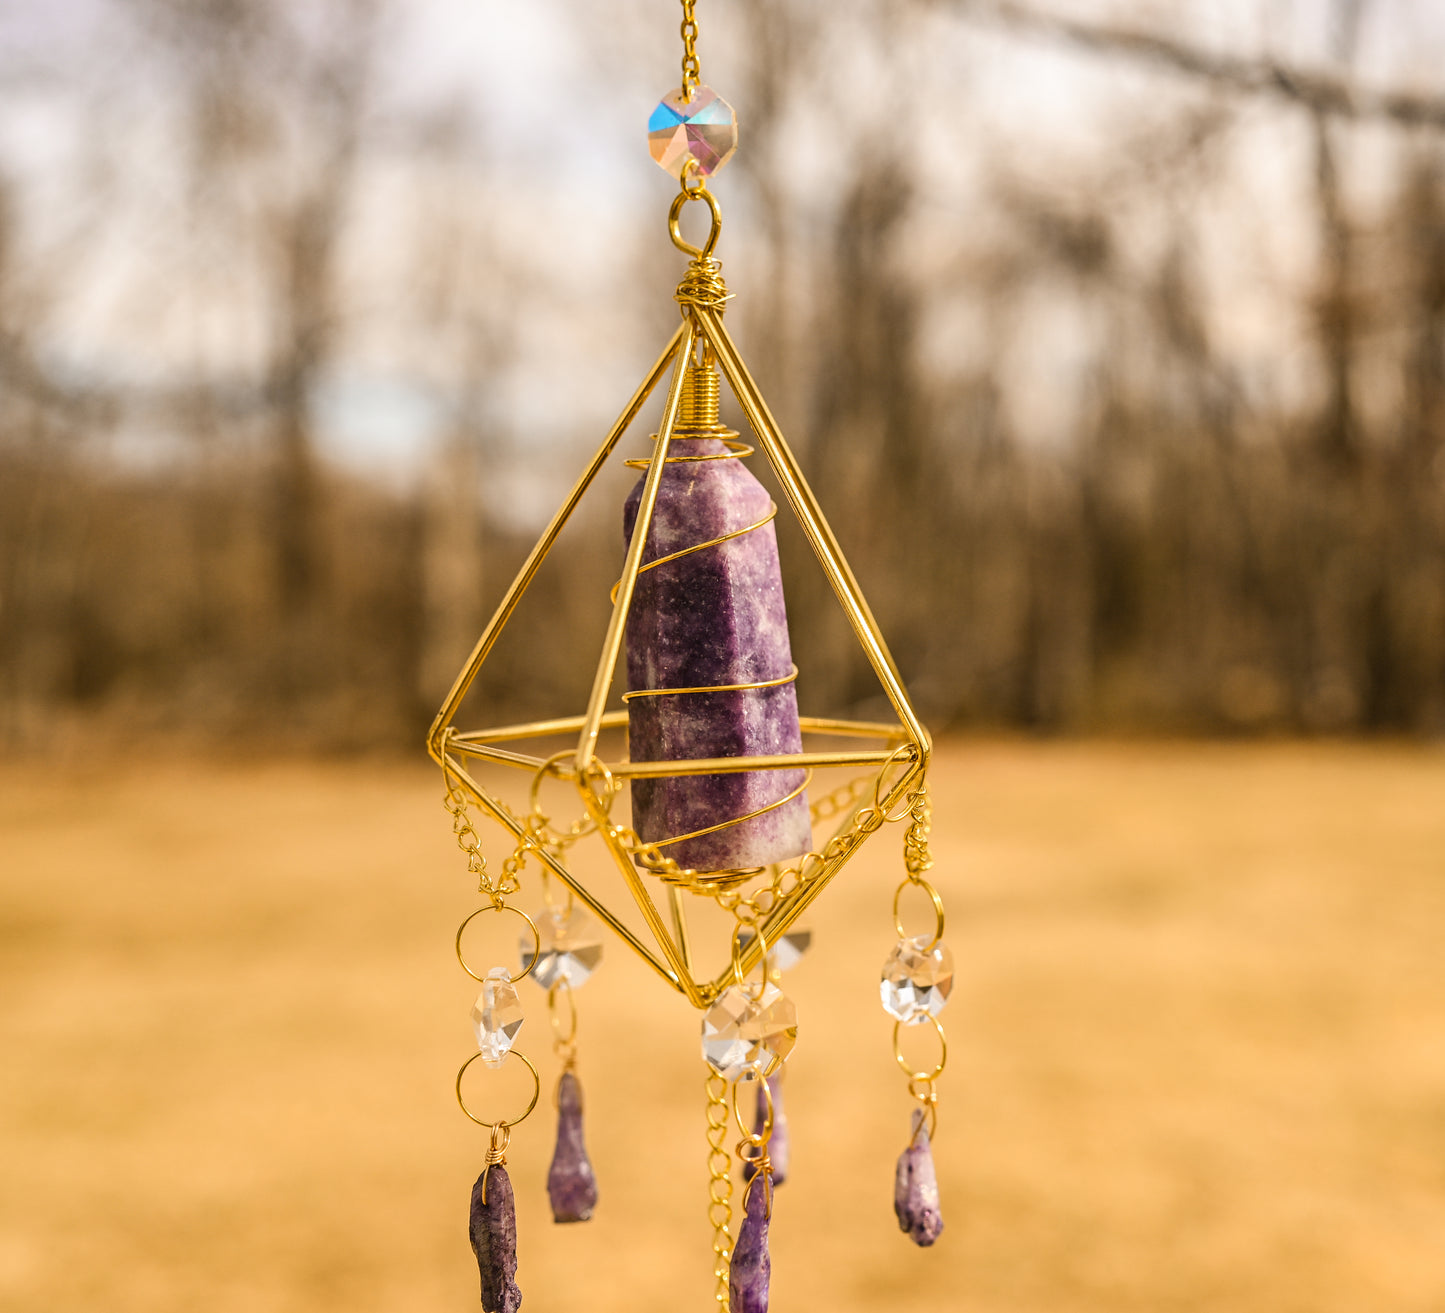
(942, 1051)
(562, 985)
(937, 912)
(738, 950)
(757, 1138)
(515, 911)
(536, 1090)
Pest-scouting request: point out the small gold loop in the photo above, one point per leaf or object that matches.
(562, 986)
(903, 1062)
(937, 911)
(907, 752)
(692, 169)
(596, 770)
(515, 911)
(514, 1121)
(674, 228)
(758, 1139)
(738, 948)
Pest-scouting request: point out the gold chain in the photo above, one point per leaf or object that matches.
(691, 69)
(720, 1184)
(917, 860)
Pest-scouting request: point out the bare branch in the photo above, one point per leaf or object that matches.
(1321, 93)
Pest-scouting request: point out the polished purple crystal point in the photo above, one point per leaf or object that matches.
(494, 1240)
(752, 1268)
(571, 1184)
(778, 1141)
(713, 617)
(915, 1190)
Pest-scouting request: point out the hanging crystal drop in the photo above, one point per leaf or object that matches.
(751, 1270)
(568, 947)
(749, 1028)
(496, 1016)
(493, 1229)
(917, 980)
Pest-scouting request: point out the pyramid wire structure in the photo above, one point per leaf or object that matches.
(901, 758)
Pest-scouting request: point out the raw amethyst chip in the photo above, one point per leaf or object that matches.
(752, 1268)
(494, 1240)
(571, 1184)
(915, 1190)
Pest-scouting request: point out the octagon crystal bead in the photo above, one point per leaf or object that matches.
(704, 129)
(749, 1028)
(569, 947)
(917, 980)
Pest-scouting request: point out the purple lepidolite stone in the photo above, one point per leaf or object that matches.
(915, 1190)
(571, 1184)
(494, 1240)
(712, 617)
(751, 1270)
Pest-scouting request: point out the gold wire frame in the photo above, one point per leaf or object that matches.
(901, 754)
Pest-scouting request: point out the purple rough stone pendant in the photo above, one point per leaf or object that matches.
(778, 1139)
(712, 618)
(915, 1189)
(494, 1240)
(751, 1271)
(571, 1183)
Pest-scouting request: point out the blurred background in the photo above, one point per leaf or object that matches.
(1111, 335)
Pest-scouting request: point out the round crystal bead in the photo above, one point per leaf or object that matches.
(568, 946)
(749, 1028)
(704, 129)
(496, 1016)
(917, 980)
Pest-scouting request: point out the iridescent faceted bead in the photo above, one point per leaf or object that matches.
(704, 129)
(749, 1028)
(917, 980)
(568, 945)
(496, 1016)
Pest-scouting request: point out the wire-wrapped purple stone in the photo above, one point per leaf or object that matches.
(571, 1183)
(494, 1240)
(751, 1270)
(709, 618)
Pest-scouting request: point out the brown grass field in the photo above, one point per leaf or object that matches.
(1198, 1050)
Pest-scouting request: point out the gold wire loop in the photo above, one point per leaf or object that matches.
(758, 1139)
(674, 227)
(562, 988)
(515, 911)
(738, 947)
(908, 752)
(933, 894)
(908, 1069)
(509, 1122)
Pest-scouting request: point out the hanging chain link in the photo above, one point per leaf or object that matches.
(691, 68)
(720, 1184)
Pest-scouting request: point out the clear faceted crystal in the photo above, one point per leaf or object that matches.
(496, 1016)
(917, 980)
(787, 951)
(570, 947)
(751, 1027)
(704, 129)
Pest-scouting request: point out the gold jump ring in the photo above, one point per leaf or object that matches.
(562, 985)
(515, 911)
(903, 1062)
(937, 911)
(516, 1121)
(759, 1139)
(738, 950)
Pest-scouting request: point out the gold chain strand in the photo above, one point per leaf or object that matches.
(720, 1184)
(691, 69)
